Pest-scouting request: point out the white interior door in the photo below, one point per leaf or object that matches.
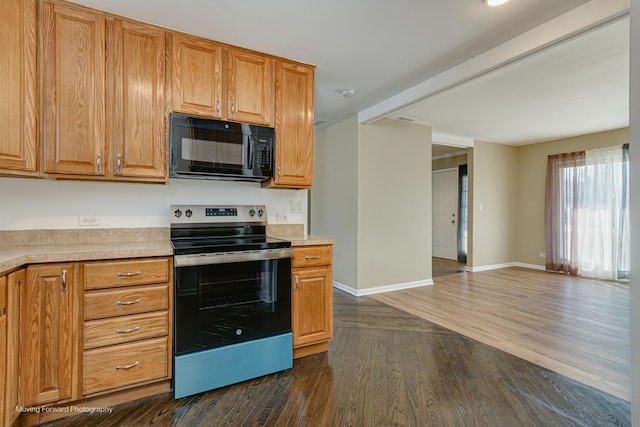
(445, 214)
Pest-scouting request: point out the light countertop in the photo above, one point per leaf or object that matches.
(105, 244)
(17, 256)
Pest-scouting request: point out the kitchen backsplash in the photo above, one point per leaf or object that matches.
(30, 204)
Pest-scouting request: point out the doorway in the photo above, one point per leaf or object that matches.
(445, 214)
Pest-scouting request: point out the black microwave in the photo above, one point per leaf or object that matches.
(206, 148)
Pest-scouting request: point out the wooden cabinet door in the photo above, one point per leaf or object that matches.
(15, 283)
(312, 306)
(18, 108)
(3, 345)
(136, 99)
(294, 126)
(3, 360)
(73, 91)
(197, 76)
(46, 344)
(250, 87)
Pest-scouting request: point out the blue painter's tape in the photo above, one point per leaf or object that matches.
(209, 369)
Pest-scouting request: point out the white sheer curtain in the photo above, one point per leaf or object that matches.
(603, 216)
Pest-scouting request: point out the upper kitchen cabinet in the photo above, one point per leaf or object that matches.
(213, 80)
(197, 76)
(104, 96)
(136, 100)
(250, 87)
(294, 126)
(73, 90)
(18, 103)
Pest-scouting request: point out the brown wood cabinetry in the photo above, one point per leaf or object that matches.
(73, 90)
(197, 76)
(3, 343)
(18, 103)
(104, 97)
(250, 87)
(136, 101)
(127, 323)
(215, 80)
(312, 299)
(15, 282)
(48, 338)
(294, 126)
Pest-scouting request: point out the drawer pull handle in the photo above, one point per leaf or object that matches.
(127, 331)
(135, 273)
(64, 280)
(128, 302)
(312, 257)
(128, 366)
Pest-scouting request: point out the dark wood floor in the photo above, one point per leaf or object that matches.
(386, 367)
(444, 267)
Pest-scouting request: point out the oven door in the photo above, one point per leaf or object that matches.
(231, 298)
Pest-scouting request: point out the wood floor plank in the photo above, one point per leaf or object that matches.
(575, 326)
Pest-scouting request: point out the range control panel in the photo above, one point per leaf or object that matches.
(207, 214)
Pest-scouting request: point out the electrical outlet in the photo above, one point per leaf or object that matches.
(88, 220)
(542, 255)
(282, 218)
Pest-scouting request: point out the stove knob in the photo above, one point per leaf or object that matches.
(188, 213)
(260, 212)
(252, 212)
(177, 213)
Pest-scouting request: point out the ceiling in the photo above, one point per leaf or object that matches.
(376, 48)
(577, 87)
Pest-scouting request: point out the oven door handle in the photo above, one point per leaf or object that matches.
(231, 257)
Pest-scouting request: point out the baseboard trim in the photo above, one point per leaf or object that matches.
(505, 265)
(530, 266)
(490, 267)
(382, 289)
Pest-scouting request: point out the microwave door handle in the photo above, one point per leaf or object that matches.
(251, 145)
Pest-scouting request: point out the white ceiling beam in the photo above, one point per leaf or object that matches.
(565, 26)
(451, 140)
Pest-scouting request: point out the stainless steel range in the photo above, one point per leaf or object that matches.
(232, 297)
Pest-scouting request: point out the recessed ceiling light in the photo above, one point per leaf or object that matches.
(494, 2)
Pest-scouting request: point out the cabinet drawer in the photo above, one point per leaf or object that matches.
(311, 256)
(136, 299)
(119, 330)
(127, 364)
(125, 273)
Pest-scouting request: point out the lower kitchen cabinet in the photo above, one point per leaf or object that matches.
(127, 323)
(48, 362)
(3, 342)
(312, 299)
(84, 330)
(15, 282)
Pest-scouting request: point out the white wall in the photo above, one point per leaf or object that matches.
(394, 204)
(47, 204)
(493, 209)
(334, 195)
